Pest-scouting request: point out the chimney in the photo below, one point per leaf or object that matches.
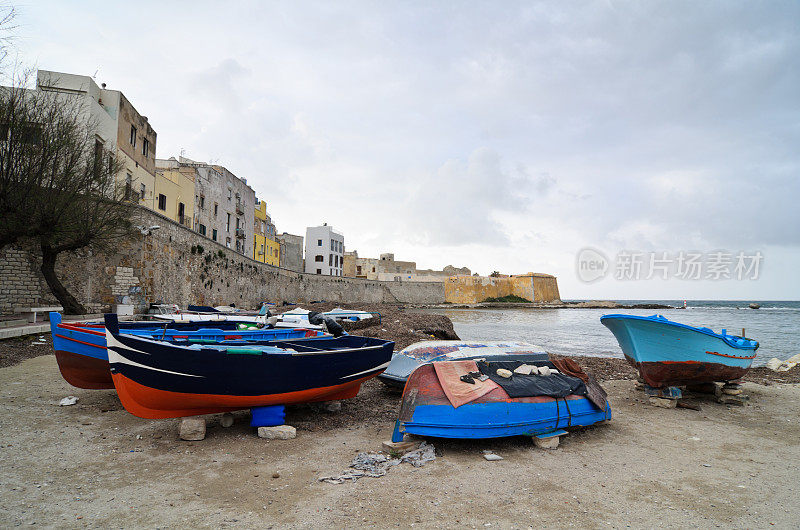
(103, 85)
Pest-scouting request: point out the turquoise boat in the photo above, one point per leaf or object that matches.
(668, 353)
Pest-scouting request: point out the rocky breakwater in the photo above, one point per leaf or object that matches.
(403, 326)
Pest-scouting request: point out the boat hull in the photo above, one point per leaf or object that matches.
(81, 349)
(83, 371)
(426, 411)
(409, 359)
(161, 380)
(671, 354)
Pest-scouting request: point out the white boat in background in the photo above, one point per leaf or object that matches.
(298, 314)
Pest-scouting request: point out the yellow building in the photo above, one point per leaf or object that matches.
(173, 196)
(266, 248)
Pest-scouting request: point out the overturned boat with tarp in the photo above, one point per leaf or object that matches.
(480, 398)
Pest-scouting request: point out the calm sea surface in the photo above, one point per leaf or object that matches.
(579, 332)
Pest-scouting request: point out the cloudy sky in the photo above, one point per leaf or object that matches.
(494, 135)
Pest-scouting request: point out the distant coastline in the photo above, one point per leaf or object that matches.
(592, 304)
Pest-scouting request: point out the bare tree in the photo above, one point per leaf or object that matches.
(58, 182)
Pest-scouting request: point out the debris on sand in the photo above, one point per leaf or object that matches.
(376, 465)
(67, 401)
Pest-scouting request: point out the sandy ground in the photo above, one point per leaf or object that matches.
(95, 465)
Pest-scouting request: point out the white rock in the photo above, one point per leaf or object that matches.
(776, 365)
(279, 432)
(524, 369)
(544, 370)
(502, 372)
(67, 401)
(226, 420)
(491, 457)
(193, 429)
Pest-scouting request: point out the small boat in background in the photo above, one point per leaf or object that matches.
(410, 358)
(439, 400)
(161, 380)
(82, 358)
(668, 353)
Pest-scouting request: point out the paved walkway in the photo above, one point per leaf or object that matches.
(39, 327)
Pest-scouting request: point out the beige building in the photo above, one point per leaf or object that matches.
(386, 268)
(119, 127)
(174, 195)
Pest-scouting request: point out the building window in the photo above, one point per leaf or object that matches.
(142, 190)
(319, 242)
(216, 209)
(128, 186)
(319, 271)
(358, 269)
(237, 223)
(228, 224)
(238, 246)
(319, 258)
(145, 147)
(162, 202)
(228, 242)
(330, 260)
(332, 243)
(133, 136)
(202, 229)
(230, 194)
(214, 234)
(202, 203)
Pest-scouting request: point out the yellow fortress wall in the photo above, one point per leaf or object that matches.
(533, 286)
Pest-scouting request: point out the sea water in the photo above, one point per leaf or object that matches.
(776, 325)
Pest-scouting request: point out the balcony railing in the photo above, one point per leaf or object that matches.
(240, 233)
(239, 208)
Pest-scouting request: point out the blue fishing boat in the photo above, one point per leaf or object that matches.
(668, 353)
(410, 358)
(440, 400)
(82, 358)
(156, 379)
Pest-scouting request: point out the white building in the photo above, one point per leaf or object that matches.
(117, 125)
(324, 250)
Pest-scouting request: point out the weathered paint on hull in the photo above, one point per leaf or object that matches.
(677, 373)
(668, 353)
(426, 411)
(82, 371)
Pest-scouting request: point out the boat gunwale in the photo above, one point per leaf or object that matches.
(706, 331)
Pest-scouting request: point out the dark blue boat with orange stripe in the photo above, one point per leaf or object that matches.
(156, 379)
(80, 348)
(668, 353)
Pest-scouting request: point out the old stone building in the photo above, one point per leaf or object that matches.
(291, 252)
(223, 203)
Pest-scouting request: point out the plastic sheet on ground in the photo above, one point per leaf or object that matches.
(376, 465)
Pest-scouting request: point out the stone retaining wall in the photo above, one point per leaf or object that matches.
(176, 265)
